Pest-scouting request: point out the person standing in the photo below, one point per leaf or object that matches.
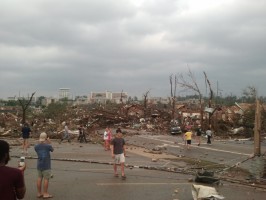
(109, 137)
(118, 130)
(43, 149)
(188, 137)
(209, 135)
(118, 152)
(82, 136)
(12, 184)
(66, 135)
(105, 138)
(198, 134)
(26, 131)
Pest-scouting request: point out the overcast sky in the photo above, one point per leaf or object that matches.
(130, 45)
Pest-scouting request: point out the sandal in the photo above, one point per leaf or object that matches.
(39, 196)
(47, 197)
(116, 175)
(124, 177)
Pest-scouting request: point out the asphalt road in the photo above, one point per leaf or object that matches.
(228, 152)
(84, 172)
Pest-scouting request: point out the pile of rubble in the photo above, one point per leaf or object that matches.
(152, 119)
(129, 117)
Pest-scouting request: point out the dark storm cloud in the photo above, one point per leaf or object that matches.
(130, 45)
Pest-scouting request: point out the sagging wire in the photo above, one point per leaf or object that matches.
(236, 165)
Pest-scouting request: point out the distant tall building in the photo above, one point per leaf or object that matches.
(64, 93)
(48, 100)
(102, 97)
(12, 98)
(156, 100)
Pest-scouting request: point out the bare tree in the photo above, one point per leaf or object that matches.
(145, 102)
(210, 98)
(250, 92)
(121, 97)
(121, 103)
(24, 105)
(191, 85)
(173, 94)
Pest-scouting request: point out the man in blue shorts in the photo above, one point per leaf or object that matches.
(26, 131)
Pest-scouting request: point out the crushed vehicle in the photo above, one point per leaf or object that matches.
(175, 130)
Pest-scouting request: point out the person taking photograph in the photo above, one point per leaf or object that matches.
(43, 149)
(12, 184)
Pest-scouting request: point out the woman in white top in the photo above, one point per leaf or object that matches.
(105, 138)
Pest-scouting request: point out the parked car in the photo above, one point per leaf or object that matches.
(175, 130)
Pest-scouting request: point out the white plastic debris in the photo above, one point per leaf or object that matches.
(200, 192)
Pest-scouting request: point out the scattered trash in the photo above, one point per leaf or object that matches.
(206, 177)
(237, 130)
(200, 192)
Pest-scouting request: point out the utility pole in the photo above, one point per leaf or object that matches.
(257, 129)
(258, 165)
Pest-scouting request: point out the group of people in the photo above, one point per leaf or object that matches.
(187, 137)
(12, 183)
(66, 134)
